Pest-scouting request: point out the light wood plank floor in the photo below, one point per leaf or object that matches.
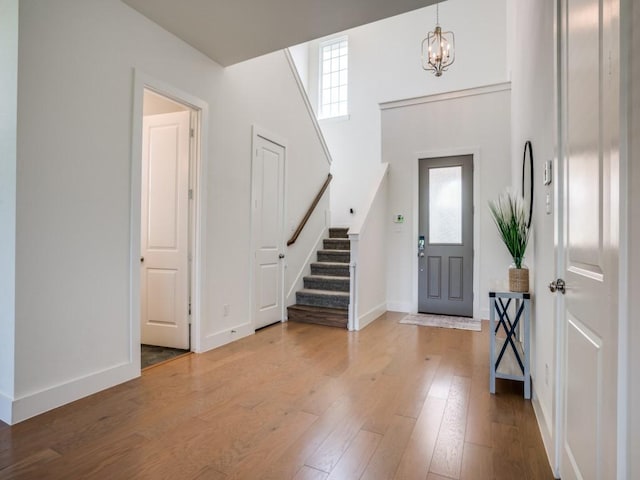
(300, 402)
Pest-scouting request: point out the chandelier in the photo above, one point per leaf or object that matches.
(438, 49)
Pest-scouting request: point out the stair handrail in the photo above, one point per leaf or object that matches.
(310, 210)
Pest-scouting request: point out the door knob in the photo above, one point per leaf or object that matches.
(281, 256)
(557, 285)
(141, 259)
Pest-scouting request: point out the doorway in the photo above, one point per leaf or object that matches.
(445, 236)
(166, 197)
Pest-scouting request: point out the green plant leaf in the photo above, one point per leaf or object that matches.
(510, 217)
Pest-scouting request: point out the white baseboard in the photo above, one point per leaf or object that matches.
(218, 339)
(5, 408)
(371, 315)
(547, 439)
(399, 307)
(39, 402)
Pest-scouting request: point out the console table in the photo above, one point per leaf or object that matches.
(509, 355)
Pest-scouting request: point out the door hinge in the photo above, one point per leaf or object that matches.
(191, 194)
(189, 311)
(192, 132)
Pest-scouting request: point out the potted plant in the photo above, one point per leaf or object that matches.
(510, 217)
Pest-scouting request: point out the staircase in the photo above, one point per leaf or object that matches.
(324, 300)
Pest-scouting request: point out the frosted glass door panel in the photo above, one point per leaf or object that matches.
(445, 205)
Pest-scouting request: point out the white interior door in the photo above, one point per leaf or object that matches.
(165, 218)
(268, 241)
(589, 72)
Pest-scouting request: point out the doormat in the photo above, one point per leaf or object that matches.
(444, 321)
(151, 355)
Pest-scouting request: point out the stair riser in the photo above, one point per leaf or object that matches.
(329, 270)
(337, 285)
(336, 244)
(330, 319)
(322, 300)
(329, 256)
(338, 233)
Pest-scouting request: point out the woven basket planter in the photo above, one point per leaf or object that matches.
(519, 279)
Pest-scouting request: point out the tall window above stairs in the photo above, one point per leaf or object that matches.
(334, 56)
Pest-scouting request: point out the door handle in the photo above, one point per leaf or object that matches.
(281, 256)
(558, 285)
(421, 254)
(141, 259)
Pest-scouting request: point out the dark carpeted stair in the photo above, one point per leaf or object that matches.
(324, 299)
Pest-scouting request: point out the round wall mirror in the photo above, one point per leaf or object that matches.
(527, 180)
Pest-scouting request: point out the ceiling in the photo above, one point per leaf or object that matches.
(231, 31)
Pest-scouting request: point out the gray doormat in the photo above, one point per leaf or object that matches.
(444, 321)
(152, 355)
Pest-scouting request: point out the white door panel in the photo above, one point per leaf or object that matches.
(164, 236)
(267, 219)
(590, 122)
(162, 287)
(582, 386)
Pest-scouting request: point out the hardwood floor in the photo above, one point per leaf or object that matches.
(297, 401)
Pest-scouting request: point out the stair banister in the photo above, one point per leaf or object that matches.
(306, 217)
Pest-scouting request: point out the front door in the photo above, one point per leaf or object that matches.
(267, 220)
(164, 272)
(589, 85)
(445, 241)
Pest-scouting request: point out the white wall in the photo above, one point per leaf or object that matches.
(76, 68)
(473, 122)
(8, 126)
(533, 112)
(384, 65)
(300, 55)
(634, 254)
(73, 189)
(258, 92)
(368, 252)
(155, 104)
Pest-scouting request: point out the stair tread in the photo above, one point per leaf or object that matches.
(339, 232)
(334, 250)
(327, 277)
(337, 264)
(328, 293)
(312, 308)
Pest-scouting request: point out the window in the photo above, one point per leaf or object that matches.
(445, 205)
(333, 78)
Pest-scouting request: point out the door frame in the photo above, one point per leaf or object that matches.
(197, 213)
(415, 172)
(257, 131)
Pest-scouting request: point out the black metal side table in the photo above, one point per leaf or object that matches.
(509, 356)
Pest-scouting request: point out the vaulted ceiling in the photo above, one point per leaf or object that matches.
(231, 31)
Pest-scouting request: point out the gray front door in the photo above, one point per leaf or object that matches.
(445, 241)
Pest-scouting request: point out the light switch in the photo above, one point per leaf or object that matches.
(548, 168)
